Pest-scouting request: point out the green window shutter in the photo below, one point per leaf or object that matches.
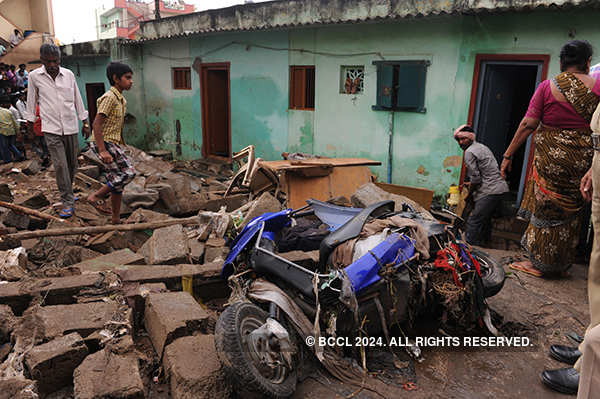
(410, 93)
(385, 86)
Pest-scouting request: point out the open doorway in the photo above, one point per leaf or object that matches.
(93, 91)
(503, 86)
(216, 110)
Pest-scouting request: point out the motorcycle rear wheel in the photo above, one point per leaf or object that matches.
(492, 273)
(239, 359)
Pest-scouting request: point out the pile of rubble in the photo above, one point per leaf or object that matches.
(83, 303)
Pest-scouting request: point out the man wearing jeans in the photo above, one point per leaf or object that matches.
(55, 90)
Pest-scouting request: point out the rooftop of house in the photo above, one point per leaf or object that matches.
(301, 13)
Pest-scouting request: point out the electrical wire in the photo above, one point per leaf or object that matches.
(288, 49)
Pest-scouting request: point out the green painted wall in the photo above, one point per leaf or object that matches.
(341, 125)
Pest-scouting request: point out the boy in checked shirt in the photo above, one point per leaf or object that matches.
(108, 139)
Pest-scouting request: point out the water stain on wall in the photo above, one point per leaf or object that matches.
(454, 160)
(422, 171)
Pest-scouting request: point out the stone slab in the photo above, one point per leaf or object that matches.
(61, 290)
(52, 364)
(83, 318)
(110, 261)
(171, 315)
(168, 246)
(194, 370)
(104, 375)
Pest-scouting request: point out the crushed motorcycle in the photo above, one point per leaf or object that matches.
(279, 309)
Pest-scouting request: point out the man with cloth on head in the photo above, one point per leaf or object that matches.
(486, 186)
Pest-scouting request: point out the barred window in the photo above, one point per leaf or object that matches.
(182, 79)
(352, 79)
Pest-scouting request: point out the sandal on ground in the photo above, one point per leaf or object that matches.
(101, 206)
(67, 213)
(529, 270)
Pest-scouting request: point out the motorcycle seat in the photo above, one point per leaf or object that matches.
(351, 229)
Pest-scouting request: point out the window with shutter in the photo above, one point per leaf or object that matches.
(182, 79)
(302, 87)
(401, 85)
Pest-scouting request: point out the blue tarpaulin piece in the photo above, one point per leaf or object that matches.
(396, 249)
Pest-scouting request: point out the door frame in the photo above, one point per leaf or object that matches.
(219, 66)
(91, 105)
(475, 89)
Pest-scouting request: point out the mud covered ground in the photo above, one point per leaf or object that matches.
(541, 309)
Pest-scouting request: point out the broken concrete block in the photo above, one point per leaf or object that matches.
(92, 171)
(163, 154)
(215, 242)
(36, 201)
(172, 315)
(196, 250)
(142, 215)
(8, 322)
(136, 299)
(13, 264)
(72, 255)
(7, 243)
(168, 246)
(15, 219)
(215, 254)
(108, 242)
(18, 388)
(195, 371)
(108, 375)
(263, 204)
(110, 261)
(5, 193)
(58, 319)
(52, 364)
(31, 167)
(5, 350)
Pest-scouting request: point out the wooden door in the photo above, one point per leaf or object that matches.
(93, 91)
(216, 119)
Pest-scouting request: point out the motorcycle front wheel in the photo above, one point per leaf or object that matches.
(239, 357)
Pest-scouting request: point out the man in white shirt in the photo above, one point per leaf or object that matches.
(55, 90)
(21, 105)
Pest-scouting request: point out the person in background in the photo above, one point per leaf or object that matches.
(559, 112)
(108, 138)
(8, 132)
(15, 38)
(20, 104)
(11, 76)
(61, 108)
(486, 186)
(39, 142)
(23, 72)
(16, 113)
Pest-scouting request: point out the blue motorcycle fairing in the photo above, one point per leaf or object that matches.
(273, 222)
(333, 215)
(396, 249)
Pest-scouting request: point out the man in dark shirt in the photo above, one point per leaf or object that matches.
(486, 186)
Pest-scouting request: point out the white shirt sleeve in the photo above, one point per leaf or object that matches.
(32, 100)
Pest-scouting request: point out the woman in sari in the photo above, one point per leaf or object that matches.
(560, 110)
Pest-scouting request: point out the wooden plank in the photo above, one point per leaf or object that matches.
(336, 162)
(421, 196)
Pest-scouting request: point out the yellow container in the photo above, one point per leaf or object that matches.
(454, 195)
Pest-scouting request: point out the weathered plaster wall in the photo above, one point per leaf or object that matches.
(341, 125)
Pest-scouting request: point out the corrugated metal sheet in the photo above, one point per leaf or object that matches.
(283, 14)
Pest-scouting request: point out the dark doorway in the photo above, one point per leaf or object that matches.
(504, 89)
(216, 120)
(93, 91)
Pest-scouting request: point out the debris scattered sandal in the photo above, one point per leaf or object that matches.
(66, 213)
(529, 270)
(100, 205)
